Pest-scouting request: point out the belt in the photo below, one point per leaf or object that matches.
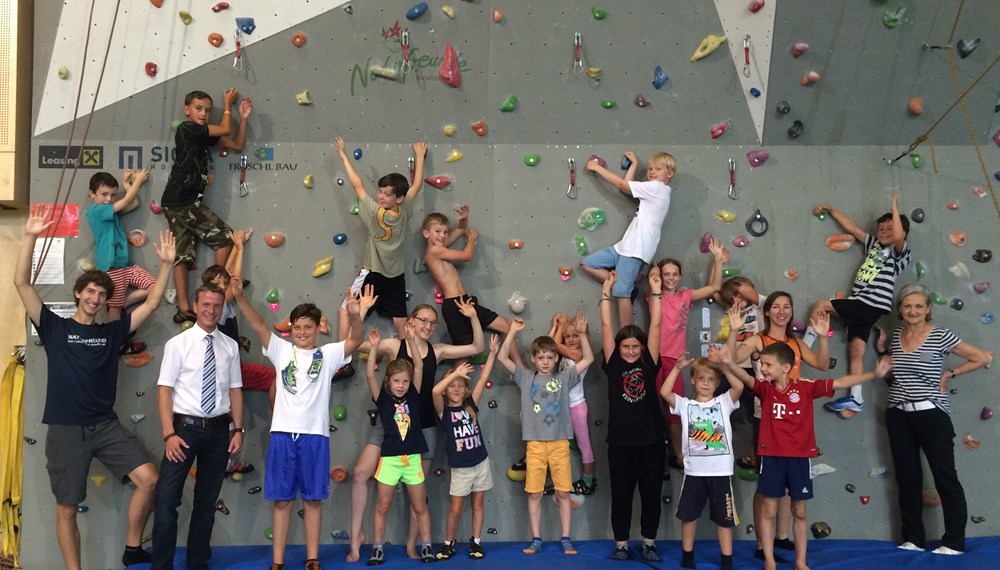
(915, 406)
(204, 423)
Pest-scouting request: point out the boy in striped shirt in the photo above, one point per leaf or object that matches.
(871, 295)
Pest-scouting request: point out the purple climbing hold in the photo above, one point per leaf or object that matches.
(798, 326)
(981, 287)
(741, 241)
(757, 157)
(705, 241)
(641, 102)
(996, 138)
(601, 161)
(986, 414)
(660, 77)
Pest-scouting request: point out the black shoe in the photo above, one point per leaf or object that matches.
(447, 550)
(521, 465)
(580, 487)
(182, 316)
(476, 550)
(135, 555)
(784, 544)
(346, 371)
(427, 554)
(377, 558)
(621, 553)
(759, 555)
(134, 347)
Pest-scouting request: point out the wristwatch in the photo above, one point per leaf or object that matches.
(239, 430)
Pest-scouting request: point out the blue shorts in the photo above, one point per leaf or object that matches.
(297, 463)
(626, 269)
(778, 474)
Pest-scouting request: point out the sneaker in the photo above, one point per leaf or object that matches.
(377, 558)
(568, 548)
(946, 550)
(784, 544)
(580, 487)
(133, 347)
(621, 553)
(476, 550)
(759, 555)
(521, 465)
(845, 403)
(346, 371)
(427, 554)
(747, 462)
(312, 564)
(910, 546)
(238, 467)
(181, 316)
(135, 556)
(534, 548)
(447, 550)
(649, 553)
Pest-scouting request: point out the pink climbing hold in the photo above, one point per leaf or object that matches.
(155, 208)
(810, 77)
(799, 48)
(757, 157)
(599, 160)
(741, 241)
(449, 71)
(440, 182)
(755, 6)
(642, 103)
(706, 239)
(720, 129)
(996, 138)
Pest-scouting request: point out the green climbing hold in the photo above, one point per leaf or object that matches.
(176, 124)
(340, 412)
(599, 12)
(730, 272)
(892, 18)
(356, 207)
(581, 245)
(509, 104)
(479, 359)
(532, 159)
(273, 296)
(938, 299)
(268, 533)
(916, 160)
(608, 103)
(921, 270)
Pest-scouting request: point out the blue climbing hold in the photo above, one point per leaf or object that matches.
(755, 92)
(987, 318)
(340, 239)
(996, 175)
(416, 11)
(626, 163)
(357, 154)
(660, 77)
(246, 25)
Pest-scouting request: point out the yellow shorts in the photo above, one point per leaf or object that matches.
(396, 468)
(550, 455)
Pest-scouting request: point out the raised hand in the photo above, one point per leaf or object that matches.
(166, 249)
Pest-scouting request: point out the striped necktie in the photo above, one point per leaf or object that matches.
(208, 379)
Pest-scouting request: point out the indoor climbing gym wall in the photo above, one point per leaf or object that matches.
(769, 112)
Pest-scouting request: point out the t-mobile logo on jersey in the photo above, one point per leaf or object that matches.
(778, 411)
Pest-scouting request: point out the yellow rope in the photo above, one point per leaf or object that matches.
(11, 459)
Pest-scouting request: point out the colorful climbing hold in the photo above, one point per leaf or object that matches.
(839, 242)
(448, 11)
(565, 273)
(707, 46)
(308, 181)
(581, 245)
(725, 216)
(757, 157)
(892, 18)
(608, 103)
(720, 129)
(151, 69)
(340, 239)
(598, 12)
(509, 104)
(915, 106)
(987, 318)
(497, 15)
(741, 241)
(791, 274)
(937, 299)
(799, 48)
(274, 239)
(63, 72)
(916, 160)
(323, 266)
(957, 239)
(216, 39)
(384, 72)
(921, 270)
(960, 270)
(338, 473)
(185, 17)
(454, 155)
(706, 240)
(731, 272)
(416, 11)
(273, 296)
(246, 25)
(340, 412)
(593, 73)
(358, 154)
(517, 303)
(981, 287)
(660, 77)
(479, 127)
(302, 98)
(626, 163)
(515, 244)
(449, 130)
(299, 39)
(809, 78)
(754, 92)
(590, 218)
(599, 160)
(641, 101)
(220, 7)
(532, 159)
(755, 6)
(440, 181)
(449, 71)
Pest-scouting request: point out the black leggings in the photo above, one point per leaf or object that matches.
(629, 467)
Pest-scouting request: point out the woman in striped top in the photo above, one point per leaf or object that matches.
(917, 418)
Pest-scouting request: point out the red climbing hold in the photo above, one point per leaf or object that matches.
(220, 7)
(156, 3)
(151, 69)
(440, 182)
(449, 71)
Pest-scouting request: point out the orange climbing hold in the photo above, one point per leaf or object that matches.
(156, 3)
(215, 39)
(957, 239)
(915, 106)
(839, 242)
(810, 78)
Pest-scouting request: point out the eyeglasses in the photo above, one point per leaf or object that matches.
(427, 322)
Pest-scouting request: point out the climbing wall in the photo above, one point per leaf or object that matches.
(853, 118)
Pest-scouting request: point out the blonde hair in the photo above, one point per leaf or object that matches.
(705, 364)
(466, 400)
(570, 324)
(397, 366)
(666, 159)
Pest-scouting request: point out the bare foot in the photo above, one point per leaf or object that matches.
(411, 551)
(354, 553)
(847, 414)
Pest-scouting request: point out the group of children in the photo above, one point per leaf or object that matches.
(414, 407)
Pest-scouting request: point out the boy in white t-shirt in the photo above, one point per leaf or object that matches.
(298, 456)
(708, 454)
(638, 246)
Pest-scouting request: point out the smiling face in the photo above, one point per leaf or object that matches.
(545, 361)
(399, 384)
(91, 299)
(571, 337)
(670, 277)
(657, 170)
(780, 313)
(208, 309)
(457, 391)
(424, 322)
(387, 199)
(104, 195)
(630, 350)
(914, 309)
(772, 370)
(198, 110)
(885, 235)
(436, 234)
(304, 331)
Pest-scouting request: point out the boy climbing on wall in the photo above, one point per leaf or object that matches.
(871, 296)
(111, 245)
(638, 245)
(189, 218)
(440, 259)
(385, 217)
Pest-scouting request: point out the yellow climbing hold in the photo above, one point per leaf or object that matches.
(593, 72)
(454, 155)
(99, 480)
(448, 11)
(308, 181)
(303, 98)
(63, 72)
(707, 46)
(725, 216)
(186, 17)
(449, 130)
(323, 266)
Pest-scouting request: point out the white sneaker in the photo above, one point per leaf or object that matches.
(946, 550)
(910, 546)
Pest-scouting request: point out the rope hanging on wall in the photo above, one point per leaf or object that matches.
(47, 240)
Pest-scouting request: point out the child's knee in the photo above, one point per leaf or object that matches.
(799, 510)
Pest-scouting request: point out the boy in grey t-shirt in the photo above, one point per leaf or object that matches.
(547, 426)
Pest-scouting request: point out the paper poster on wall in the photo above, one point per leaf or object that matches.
(61, 309)
(52, 268)
(68, 223)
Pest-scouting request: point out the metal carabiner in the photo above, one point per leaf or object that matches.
(578, 59)
(572, 190)
(238, 60)
(244, 190)
(411, 162)
(733, 192)
(405, 41)
(746, 55)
